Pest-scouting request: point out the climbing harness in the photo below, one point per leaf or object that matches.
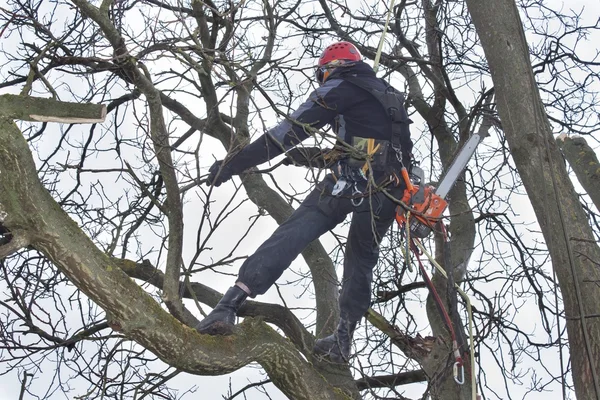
(380, 156)
(390, 155)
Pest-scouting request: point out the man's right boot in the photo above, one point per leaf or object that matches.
(337, 346)
(222, 318)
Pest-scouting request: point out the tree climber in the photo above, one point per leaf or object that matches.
(373, 137)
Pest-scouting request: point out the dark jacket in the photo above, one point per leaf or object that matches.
(350, 110)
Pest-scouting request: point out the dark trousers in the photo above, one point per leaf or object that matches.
(317, 214)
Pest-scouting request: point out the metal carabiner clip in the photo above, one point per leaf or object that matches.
(339, 187)
(398, 151)
(459, 373)
(356, 201)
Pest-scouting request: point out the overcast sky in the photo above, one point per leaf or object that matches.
(215, 387)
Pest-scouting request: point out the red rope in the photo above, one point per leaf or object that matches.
(436, 297)
(458, 367)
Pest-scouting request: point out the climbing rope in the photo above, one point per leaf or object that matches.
(469, 313)
(382, 39)
(417, 248)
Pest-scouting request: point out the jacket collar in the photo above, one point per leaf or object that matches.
(356, 68)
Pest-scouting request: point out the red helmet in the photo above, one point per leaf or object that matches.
(340, 51)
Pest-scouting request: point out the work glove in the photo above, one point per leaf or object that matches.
(309, 157)
(302, 156)
(219, 173)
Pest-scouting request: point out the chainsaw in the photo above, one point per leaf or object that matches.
(427, 203)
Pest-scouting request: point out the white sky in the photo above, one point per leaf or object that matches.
(215, 387)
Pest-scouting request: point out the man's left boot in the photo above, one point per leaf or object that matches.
(221, 320)
(337, 346)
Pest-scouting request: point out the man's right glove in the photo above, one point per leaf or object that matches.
(219, 173)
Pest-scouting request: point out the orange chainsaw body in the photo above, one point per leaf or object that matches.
(425, 205)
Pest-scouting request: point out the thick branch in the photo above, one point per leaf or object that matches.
(433, 353)
(38, 109)
(403, 378)
(273, 313)
(417, 349)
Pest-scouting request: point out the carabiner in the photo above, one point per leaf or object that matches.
(398, 151)
(353, 200)
(340, 186)
(459, 373)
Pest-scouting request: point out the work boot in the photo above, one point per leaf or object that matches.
(222, 318)
(337, 346)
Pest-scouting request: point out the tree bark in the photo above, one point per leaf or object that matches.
(563, 222)
(584, 161)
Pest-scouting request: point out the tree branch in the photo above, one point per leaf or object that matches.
(402, 378)
(160, 138)
(38, 109)
(272, 313)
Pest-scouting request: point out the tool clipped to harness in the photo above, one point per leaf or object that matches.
(340, 186)
(349, 177)
(357, 196)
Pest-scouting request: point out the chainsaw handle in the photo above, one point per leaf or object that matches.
(409, 184)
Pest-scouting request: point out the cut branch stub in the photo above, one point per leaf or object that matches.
(584, 161)
(38, 109)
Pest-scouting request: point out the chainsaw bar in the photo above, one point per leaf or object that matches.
(458, 165)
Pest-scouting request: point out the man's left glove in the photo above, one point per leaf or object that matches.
(312, 157)
(219, 173)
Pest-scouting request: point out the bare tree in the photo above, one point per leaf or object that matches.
(573, 248)
(86, 208)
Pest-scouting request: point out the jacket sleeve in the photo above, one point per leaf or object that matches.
(319, 109)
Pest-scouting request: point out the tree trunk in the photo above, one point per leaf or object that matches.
(563, 222)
